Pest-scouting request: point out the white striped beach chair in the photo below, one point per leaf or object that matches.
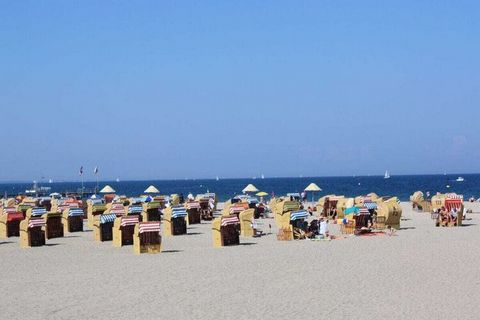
(226, 231)
(32, 232)
(72, 217)
(146, 238)
(175, 220)
(102, 228)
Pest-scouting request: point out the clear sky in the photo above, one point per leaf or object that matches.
(175, 89)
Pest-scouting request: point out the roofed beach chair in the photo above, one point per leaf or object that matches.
(282, 212)
(246, 218)
(123, 229)
(147, 238)
(53, 221)
(193, 209)
(32, 232)
(175, 221)
(102, 227)
(391, 211)
(451, 202)
(151, 211)
(226, 231)
(95, 207)
(124, 225)
(10, 220)
(297, 224)
(236, 208)
(72, 217)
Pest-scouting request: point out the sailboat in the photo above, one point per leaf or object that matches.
(387, 175)
(263, 177)
(217, 178)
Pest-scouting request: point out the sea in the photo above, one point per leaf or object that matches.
(400, 186)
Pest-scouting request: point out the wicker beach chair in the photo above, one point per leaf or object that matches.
(146, 237)
(246, 223)
(53, 221)
(175, 221)
(10, 222)
(194, 212)
(95, 207)
(297, 223)
(391, 211)
(32, 233)
(151, 211)
(225, 231)
(102, 227)
(123, 229)
(72, 218)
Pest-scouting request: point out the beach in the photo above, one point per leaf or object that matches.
(420, 272)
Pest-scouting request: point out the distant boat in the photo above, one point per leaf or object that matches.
(448, 186)
(460, 179)
(118, 180)
(217, 178)
(50, 181)
(387, 175)
(254, 178)
(263, 177)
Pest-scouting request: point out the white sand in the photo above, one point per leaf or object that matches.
(423, 273)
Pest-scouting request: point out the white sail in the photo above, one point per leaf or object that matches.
(387, 175)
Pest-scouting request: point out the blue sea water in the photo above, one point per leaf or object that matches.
(400, 186)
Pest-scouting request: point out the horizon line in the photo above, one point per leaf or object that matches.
(232, 178)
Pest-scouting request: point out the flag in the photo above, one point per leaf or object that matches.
(95, 171)
(81, 171)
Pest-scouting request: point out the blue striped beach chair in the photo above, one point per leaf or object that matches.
(72, 217)
(175, 220)
(102, 228)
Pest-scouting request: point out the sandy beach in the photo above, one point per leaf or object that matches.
(421, 272)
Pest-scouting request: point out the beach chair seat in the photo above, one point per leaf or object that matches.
(175, 221)
(147, 238)
(10, 222)
(102, 228)
(196, 213)
(32, 233)
(72, 218)
(226, 231)
(123, 229)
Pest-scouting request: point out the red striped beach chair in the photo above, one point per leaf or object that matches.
(10, 222)
(194, 212)
(146, 237)
(123, 229)
(32, 233)
(226, 231)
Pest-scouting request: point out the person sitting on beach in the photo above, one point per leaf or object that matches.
(453, 215)
(310, 210)
(323, 228)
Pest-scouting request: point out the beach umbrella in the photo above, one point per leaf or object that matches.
(261, 194)
(107, 189)
(250, 188)
(151, 189)
(312, 187)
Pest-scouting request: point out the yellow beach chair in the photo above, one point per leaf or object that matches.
(10, 222)
(226, 231)
(123, 229)
(391, 212)
(95, 207)
(151, 211)
(146, 237)
(72, 218)
(32, 232)
(246, 223)
(193, 209)
(175, 221)
(53, 221)
(103, 227)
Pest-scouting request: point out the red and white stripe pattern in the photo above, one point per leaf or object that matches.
(8, 210)
(453, 196)
(32, 223)
(193, 205)
(152, 226)
(129, 221)
(229, 220)
(453, 204)
(118, 209)
(236, 209)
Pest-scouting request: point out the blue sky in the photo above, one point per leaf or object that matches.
(174, 89)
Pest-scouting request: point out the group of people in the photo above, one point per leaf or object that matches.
(445, 217)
